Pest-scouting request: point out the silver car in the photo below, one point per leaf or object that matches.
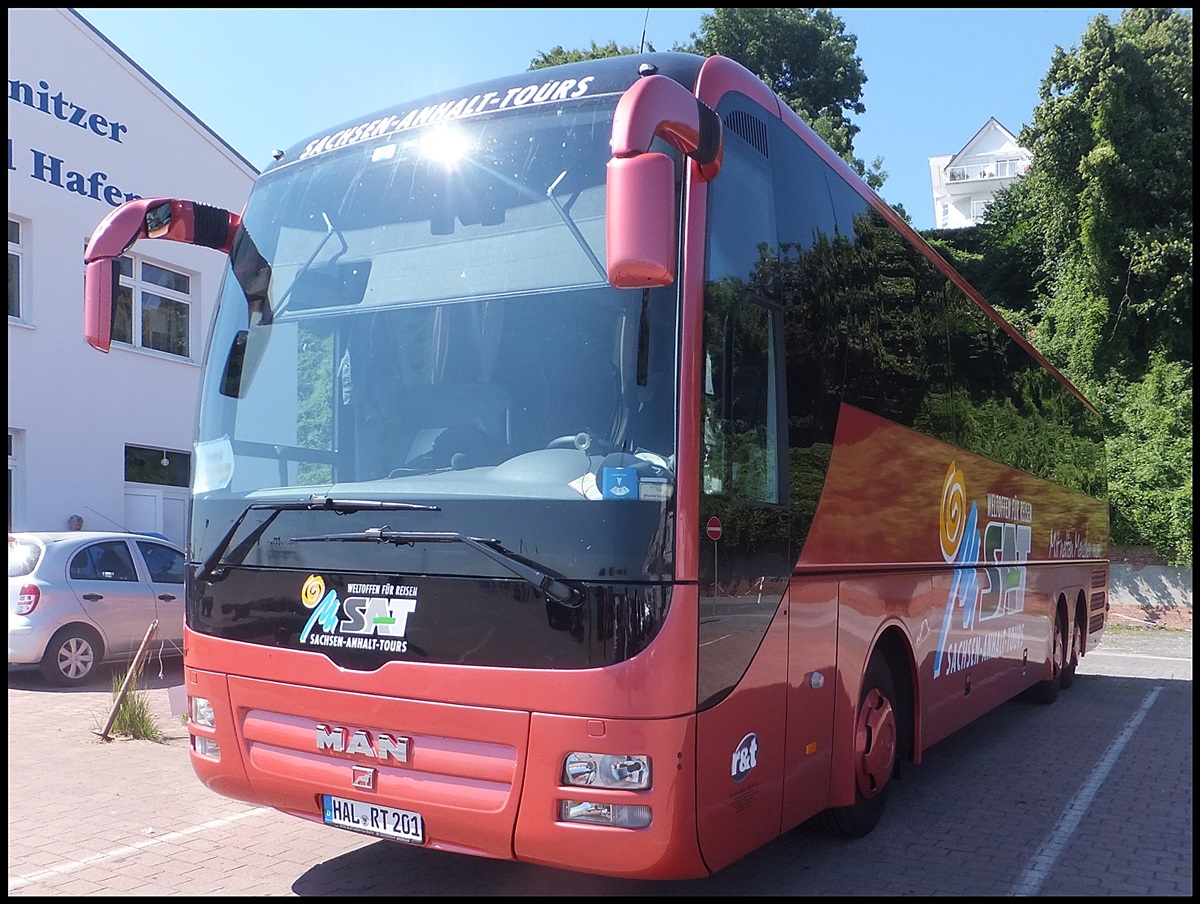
(79, 598)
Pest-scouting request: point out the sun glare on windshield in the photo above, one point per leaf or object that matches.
(445, 145)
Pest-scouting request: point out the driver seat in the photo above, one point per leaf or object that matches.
(444, 420)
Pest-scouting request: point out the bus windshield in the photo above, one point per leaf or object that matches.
(425, 317)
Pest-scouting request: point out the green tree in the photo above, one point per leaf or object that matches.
(558, 56)
(1150, 459)
(805, 55)
(1103, 222)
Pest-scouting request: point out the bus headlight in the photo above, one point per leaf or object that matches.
(206, 747)
(599, 770)
(202, 712)
(625, 816)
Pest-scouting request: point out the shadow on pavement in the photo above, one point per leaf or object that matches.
(157, 673)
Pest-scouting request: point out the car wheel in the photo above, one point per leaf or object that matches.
(71, 656)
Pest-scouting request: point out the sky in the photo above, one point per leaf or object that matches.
(266, 78)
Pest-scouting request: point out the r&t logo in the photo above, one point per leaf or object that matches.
(745, 757)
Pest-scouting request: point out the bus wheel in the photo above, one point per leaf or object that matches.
(876, 735)
(1068, 672)
(1046, 692)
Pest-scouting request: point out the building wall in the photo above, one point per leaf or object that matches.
(87, 129)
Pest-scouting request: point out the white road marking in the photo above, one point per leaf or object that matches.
(1113, 655)
(1039, 868)
(70, 866)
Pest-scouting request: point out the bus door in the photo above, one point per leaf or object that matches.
(811, 693)
(743, 568)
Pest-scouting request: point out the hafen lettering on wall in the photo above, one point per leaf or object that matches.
(54, 170)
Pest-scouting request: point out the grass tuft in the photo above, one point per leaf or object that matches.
(134, 717)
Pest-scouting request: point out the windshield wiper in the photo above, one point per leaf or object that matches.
(570, 224)
(555, 589)
(209, 570)
(330, 230)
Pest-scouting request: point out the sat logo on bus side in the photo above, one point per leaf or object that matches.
(989, 574)
(375, 620)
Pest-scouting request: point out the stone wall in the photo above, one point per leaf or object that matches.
(1155, 594)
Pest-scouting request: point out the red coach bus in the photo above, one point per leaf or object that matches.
(592, 471)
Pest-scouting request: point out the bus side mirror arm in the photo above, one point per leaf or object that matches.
(142, 218)
(641, 200)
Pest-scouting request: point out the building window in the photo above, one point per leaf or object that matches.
(945, 214)
(1006, 168)
(161, 466)
(979, 208)
(16, 252)
(161, 320)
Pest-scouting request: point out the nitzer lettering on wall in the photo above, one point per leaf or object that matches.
(54, 170)
(524, 95)
(64, 110)
(376, 623)
(989, 580)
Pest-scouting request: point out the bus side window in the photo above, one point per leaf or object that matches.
(742, 424)
(713, 436)
(753, 410)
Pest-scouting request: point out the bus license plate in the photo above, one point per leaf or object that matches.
(372, 819)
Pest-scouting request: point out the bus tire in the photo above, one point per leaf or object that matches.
(876, 751)
(1046, 692)
(1073, 654)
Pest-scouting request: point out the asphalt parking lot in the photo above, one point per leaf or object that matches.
(988, 813)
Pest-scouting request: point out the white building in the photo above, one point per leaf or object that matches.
(108, 437)
(965, 183)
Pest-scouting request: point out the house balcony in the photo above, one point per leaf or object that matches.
(971, 178)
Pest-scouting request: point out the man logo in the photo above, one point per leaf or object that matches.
(360, 743)
(363, 777)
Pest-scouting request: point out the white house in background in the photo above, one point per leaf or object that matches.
(108, 437)
(965, 183)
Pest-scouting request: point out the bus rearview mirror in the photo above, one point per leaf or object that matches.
(101, 278)
(641, 221)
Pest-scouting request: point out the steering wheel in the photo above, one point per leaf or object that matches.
(584, 442)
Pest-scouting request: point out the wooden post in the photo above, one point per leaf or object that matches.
(134, 668)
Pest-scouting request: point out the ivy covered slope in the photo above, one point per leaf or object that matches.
(1091, 256)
